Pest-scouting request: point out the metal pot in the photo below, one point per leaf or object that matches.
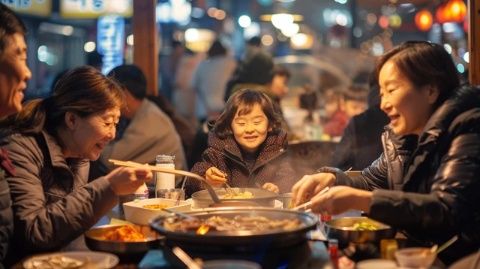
(261, 197)
(342, 230)
(240, 239)
(94, 242)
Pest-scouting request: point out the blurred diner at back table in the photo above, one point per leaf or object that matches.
(149, 131)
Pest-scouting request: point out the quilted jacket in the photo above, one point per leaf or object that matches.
(429, 186)
(271, 164)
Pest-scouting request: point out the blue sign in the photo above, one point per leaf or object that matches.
(110, 41)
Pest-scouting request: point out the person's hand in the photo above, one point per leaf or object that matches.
(125, 180)
(339, 199)
(215, 177)
(271, 187)
(310, 185)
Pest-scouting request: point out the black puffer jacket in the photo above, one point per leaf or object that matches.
(6, 215)
(431, 189)
(271, 164)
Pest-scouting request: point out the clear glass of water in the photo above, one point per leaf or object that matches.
(174, 194)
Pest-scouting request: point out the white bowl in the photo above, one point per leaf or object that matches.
(135, 211)
(415, 257)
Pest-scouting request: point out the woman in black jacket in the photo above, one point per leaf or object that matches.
(427, 181)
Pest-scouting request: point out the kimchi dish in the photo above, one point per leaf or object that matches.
(225, 224)
(125, 233)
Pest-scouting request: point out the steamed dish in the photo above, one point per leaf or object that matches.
(225, 224)
(364, 226)
(237, 195)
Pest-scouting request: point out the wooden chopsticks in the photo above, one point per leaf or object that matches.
(155, 168)
(306, 206)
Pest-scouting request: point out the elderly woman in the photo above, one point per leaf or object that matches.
(52, 142)
(426, 182)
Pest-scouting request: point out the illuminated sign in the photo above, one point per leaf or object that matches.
(110, 41)
(30, 7)
(174, 11)
(95, 8)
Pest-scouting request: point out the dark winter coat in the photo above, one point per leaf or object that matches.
(271, 164)
(361, 142)
(6, 216)
(431, 188)
(52, 201)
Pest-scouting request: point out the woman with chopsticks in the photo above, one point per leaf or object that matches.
(427, 181)
(51, 144)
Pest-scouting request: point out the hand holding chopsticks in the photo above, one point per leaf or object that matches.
(307, 206)
(169, 171)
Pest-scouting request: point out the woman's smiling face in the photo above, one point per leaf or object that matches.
(90, 135)
(14, 74)
(408, 107)
(250, 130)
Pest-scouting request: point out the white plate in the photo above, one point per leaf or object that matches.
(73, 259)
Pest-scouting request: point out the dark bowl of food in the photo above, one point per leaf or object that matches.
(235, 197)
(358, 230)
(129, 242)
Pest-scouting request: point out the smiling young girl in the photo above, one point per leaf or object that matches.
(247, 146)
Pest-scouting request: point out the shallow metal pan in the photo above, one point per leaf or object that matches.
(342, 230)
(94, 242)
(277, 237)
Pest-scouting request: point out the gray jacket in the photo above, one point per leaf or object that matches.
(51, 199)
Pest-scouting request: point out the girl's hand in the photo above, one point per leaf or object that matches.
(271, 187)
(126, 180)
(339, 199)
(215, 177)
(310, 185)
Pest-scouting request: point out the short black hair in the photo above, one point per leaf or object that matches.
(282, 71)
(424, 63)
(216, 49)
(132, 78)
(258, 69)
(255, 41)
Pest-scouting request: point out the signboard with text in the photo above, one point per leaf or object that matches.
(110, 41)
(30, 7)
(91, 9)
